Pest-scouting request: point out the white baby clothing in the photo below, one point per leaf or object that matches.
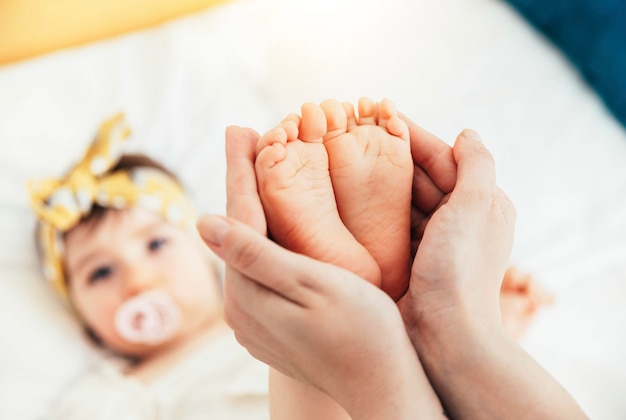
(219, 381)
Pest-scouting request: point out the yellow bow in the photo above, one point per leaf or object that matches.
(60, 204)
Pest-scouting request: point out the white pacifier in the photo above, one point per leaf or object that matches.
(150, 318)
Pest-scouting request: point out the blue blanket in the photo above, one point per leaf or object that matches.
(592, 34)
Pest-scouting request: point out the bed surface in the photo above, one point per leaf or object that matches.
(448, 64)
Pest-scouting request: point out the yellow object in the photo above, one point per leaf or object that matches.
(32, 27)
(60, 204)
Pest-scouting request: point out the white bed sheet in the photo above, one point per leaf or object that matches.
(447, 63)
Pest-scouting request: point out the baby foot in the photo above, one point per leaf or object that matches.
(372, 172)
(298, 198)
(520, 299)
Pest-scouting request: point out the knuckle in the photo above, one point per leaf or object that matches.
(484, 154)
(476, 196)
(244, 255)
(479, 151)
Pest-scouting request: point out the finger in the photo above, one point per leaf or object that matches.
(259, 345)
(248, 304)
(265, 323)
(475, 164)
(240, 293)
(245, 311)
(418, 220)
(418, 224)
(242, 198)
(293, 276)
(426, 196)
(433, 155)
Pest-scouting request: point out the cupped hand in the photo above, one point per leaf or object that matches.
(463, 236)
(312, 321)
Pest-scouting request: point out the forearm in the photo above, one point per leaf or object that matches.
(291, 399)
(403, 392)
(393, 388)
(478, 371)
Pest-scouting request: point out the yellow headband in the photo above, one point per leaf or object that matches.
(60, 204)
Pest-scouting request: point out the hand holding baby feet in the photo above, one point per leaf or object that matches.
(371, 169)
(297, 195)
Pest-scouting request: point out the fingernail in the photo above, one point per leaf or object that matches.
(471, 135)
(213, 229)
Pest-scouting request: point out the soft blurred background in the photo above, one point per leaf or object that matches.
(542, 81)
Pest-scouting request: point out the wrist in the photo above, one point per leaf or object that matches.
(396, 389)
(478, 370)
(452, 335)
(448, 316)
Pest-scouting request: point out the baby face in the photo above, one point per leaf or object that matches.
(129, 252)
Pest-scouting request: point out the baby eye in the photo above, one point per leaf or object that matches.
(156, 244)
(100, 274)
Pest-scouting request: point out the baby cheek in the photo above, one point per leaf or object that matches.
(184, 268)
(102, 318)
(191, 290)
(189, 274)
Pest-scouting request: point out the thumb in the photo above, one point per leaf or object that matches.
(258, 258)
(475, 164)
(243, 201)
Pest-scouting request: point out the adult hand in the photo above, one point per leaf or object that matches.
(451, 308)
(310, 320)
(464, 231)
(440, 228)
(242, 197)
(243, 204)
(434, 177)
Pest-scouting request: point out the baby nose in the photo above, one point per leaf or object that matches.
(141, 279)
